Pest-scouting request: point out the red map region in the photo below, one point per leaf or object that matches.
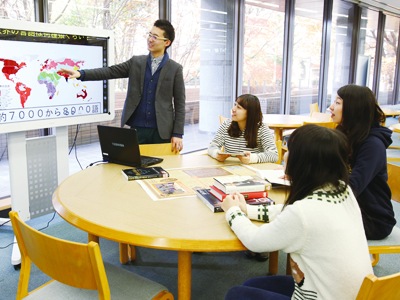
(83, 95)
(23, 91)
(11, 67)
(65, 75)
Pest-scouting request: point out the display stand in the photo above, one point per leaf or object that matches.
(37, 166)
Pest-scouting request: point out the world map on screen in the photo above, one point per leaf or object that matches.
(33, 88)
(46, 73)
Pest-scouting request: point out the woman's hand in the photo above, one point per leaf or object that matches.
(222, 157)
(244, 159)
(234, 199)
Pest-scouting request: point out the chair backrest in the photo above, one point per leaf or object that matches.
(157, 149)
(395, 127)
(394, 180)
(320, 116)
(329, 124)
(222, 119)
(314, 107)
(382, 288)
(74, 264)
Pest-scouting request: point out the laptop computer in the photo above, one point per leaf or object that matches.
(120, 145)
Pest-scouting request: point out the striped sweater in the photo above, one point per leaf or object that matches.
(266, 148)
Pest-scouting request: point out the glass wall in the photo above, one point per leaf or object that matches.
(17, 10)
(306, 59)
(367, 47)
(262, 52)
(205, 48)
(388, 60)
(340, 48)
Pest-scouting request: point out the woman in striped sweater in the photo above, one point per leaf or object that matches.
(245, 133)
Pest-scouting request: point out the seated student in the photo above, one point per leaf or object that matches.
(245, 133)
(359, 117)
(320, 224)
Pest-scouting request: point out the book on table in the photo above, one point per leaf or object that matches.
(209, 200)
(247, 195)
(275, 177)
(214, 204)
(260, 201)
(144, 173)
(240, 183)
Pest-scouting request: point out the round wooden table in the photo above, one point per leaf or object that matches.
(101, 202)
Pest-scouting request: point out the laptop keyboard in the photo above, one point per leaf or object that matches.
(149, 161)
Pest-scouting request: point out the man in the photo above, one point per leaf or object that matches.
(155, 100)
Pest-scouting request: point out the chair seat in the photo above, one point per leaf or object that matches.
(392, 239)
(388, 245)
(123, 285)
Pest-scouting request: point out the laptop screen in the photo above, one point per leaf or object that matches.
(120, 145)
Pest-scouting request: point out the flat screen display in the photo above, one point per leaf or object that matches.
(34, 93)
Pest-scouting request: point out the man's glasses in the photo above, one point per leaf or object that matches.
(155, 37)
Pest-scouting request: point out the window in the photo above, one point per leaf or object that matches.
(388, 65)
(340, 47)
(262, 52)
(306, 58)
(367, 47)
(205, 47)
(17, 10)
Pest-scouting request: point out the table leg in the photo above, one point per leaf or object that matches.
(273, 263)
(278, 134)
(93, 238)
(123, 253)
(184, 275)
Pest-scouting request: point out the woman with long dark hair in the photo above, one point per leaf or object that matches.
(359, 117)
(245, 133)
(320, 224)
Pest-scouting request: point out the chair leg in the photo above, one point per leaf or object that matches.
(374, 259)
(288, 268)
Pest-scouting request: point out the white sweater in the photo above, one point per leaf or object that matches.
(266, 148)
(324, 235)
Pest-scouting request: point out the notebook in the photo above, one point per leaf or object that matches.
(120, 145)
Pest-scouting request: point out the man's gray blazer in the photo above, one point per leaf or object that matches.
(170, 93)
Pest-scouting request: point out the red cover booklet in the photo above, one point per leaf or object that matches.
(249, 195)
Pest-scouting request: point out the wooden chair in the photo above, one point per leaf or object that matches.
(156, 149)
(382, 288)
(222, 119)
(327, 124)
(390, 244)
(76, 270)
(314, 107)
(320, 117)
(393, 155)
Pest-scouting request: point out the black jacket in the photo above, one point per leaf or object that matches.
(368, 180)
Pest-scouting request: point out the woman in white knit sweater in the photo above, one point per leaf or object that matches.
(245, 133)
(320, 225)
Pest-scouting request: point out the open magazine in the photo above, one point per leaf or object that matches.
(275, 177)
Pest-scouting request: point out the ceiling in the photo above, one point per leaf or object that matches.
(385, 5)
